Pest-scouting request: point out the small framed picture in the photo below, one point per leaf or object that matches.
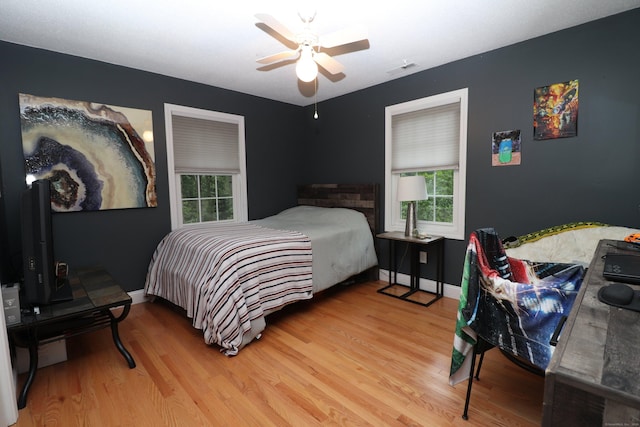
(505, 148)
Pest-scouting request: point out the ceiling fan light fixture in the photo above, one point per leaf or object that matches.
(310, 47)
(306, 68)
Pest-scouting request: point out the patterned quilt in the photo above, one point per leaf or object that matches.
(512, 304)
(227, 276)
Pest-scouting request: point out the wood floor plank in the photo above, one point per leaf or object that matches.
(350, 356)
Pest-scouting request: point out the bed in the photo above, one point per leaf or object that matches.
(229, 277)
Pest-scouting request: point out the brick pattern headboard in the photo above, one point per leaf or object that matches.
(360, 197)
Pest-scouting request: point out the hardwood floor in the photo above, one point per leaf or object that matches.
(349, 357)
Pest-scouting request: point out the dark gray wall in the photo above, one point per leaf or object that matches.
(123, 240)
(591, 177)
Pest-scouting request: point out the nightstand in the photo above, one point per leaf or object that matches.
(395, 289)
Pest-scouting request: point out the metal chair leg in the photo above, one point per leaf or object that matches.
(479, 365)
(465, 415)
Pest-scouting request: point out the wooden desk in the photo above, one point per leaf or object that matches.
(593, 378)
(415, 244)
(95, 293)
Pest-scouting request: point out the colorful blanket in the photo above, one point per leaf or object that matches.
(512, 304)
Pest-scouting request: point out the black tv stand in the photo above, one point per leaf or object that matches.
(62, 292)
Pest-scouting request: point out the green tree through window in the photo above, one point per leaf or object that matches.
(439, 206)
(206, 198)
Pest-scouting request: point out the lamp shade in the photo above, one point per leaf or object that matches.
(411, 188)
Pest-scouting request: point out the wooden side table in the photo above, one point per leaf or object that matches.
(95, 293)
(395, 237)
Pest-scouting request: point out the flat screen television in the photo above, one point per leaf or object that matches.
(40, 284)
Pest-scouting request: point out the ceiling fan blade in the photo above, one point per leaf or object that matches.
(288, 54)
(275, 25)
(346, 36)
(328, 63)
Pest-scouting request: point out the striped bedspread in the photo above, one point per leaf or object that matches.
(226, 276)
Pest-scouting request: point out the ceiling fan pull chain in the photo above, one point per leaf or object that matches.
(315, 113)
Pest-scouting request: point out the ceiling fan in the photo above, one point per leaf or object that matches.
(310, 45)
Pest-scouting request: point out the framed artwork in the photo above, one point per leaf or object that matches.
(96, 156)
(555, 111)
(505, 148)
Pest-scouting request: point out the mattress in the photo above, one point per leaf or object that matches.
(341, 241)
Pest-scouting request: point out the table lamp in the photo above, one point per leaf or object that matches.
(410, 189)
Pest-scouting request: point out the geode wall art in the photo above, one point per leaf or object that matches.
(96, 156)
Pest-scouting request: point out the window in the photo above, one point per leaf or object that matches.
(428, 137)
(206, 198)
(206, 162)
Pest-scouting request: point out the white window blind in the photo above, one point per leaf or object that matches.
(426, 139)
(201, 146)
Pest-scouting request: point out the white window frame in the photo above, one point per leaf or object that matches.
(393, 215)
(239, 180)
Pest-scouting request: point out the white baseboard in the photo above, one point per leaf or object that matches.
(138, 296)
(449, 291)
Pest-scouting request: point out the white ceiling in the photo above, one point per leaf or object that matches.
(217, 43)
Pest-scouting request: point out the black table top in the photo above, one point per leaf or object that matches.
(93, 289)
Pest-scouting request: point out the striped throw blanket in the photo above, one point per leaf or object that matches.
(227, 276)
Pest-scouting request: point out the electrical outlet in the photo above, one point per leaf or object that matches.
(423, 257)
